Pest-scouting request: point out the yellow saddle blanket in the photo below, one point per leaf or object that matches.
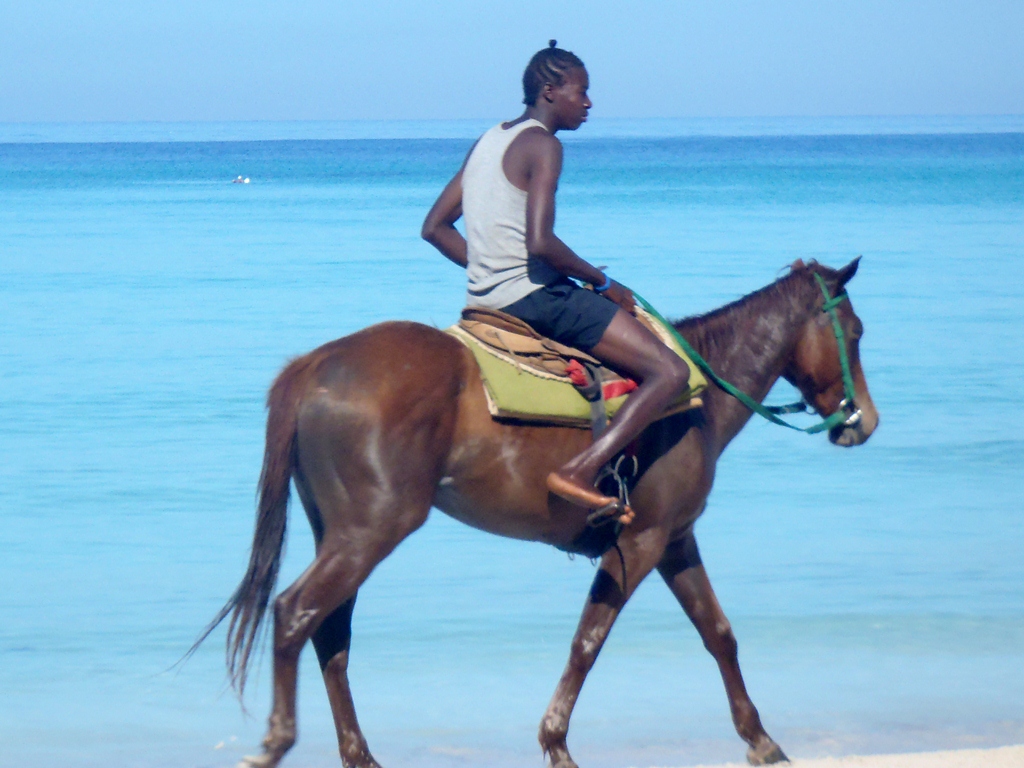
(529, 378)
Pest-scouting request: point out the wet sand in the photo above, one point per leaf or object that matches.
(1001, 757)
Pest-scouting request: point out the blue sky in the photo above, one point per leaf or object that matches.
(232, 60)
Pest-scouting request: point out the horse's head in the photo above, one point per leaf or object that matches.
(816, 368)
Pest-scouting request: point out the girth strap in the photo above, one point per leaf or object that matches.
(586, 377)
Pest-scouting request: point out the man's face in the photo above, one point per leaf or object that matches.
(570, 99)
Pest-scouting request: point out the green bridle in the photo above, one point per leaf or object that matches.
(846, 415)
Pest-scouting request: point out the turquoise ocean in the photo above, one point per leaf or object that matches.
(146, 303)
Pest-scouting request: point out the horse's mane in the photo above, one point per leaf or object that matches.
(715, 328)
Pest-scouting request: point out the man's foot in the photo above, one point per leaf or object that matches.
(586, 497)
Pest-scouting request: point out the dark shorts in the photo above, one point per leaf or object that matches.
(566, 313)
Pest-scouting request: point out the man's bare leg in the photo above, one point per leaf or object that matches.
(631, 349)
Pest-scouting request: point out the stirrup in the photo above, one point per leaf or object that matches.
(616, 511)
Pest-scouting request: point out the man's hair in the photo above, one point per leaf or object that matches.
(547, 66)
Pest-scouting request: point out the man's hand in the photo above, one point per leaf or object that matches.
(622, 296)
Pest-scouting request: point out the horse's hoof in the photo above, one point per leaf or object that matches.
(557, 756)
(362, 760)
(256, 761)
(766, 754)
(371, 763)
(269, 759)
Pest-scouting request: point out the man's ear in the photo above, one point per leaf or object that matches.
(547, 92)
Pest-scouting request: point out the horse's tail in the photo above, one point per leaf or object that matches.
(248, 605)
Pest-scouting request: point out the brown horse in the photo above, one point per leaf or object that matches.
(380, 426)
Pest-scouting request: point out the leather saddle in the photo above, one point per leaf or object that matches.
(515, 338)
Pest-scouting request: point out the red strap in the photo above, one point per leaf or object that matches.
(577, 373)
(615, 389)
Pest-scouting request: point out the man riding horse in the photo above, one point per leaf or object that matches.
(505, 190)
(372, 447)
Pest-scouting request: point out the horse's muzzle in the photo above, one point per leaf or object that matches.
(852, 432)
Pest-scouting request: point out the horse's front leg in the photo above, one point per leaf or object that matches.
(621, 570)
(684, 573)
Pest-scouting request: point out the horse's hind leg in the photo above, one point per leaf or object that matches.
(331, 641)
(348, 552)
(328, 584)
(682, 570)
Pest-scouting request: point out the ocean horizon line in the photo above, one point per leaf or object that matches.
(470, 128)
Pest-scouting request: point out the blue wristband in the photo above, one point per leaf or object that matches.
(604, 286)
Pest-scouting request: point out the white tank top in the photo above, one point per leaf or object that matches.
(500, 270)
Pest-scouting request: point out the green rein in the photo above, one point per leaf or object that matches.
(846, 414)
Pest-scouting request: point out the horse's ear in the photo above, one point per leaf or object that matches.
(844, 275)
(798, 264)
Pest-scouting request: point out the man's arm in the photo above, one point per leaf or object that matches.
(439, 226)
(544, 166)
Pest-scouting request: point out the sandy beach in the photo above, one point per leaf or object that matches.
(1000, 757)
